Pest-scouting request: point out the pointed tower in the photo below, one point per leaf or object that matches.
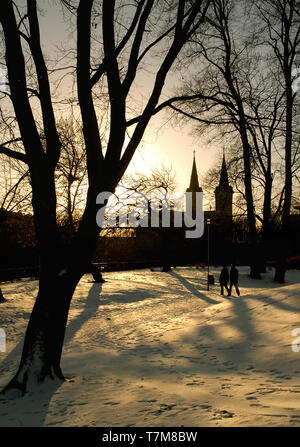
(224, 193)
(194, 187)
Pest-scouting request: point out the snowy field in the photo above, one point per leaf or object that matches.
(157, 349)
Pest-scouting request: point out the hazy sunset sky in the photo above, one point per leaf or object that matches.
(163, 142)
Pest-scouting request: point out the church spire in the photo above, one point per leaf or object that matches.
(224, 192)
(194, 188)
(224, 183)
(194, 182)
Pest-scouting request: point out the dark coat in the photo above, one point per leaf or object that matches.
(234, 275)
(224, 276)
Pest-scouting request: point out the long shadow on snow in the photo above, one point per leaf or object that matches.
(213, 353)
(91, 306)
(32, 409)
(191, 288)
(241, 320)
(129, 296)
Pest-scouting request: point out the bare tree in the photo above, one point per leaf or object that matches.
(61, 270)
(15, 194)
(282, 20)
(137, 194)
(282, 25)
(71, 174)
(241, 91)
(161, 179)
(157, 186)
(216, 98)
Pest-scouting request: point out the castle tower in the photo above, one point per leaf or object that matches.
(223, 194)
(194, 187)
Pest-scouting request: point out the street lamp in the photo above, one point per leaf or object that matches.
(208, 225)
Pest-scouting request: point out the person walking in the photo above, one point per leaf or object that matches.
(233, 279)
(224, 278)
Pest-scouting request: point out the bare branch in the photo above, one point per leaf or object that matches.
(13, 154)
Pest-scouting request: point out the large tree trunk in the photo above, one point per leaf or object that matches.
(45, 332)
(60, 271)
(96, 273)
(267, 214)
(254, 259)
(254, 264)
(288, 132)
(2, 299)
(282, 251)
(280, 271)
(287, 59)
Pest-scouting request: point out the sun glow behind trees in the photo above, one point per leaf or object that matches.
(163, 142)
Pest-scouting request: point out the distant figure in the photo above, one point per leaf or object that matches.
(234, 278)
(224, 278)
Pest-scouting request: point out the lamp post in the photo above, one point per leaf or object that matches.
(208, 226)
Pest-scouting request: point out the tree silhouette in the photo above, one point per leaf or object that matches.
(148, 28)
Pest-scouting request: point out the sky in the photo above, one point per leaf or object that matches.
(174, 147)
(163, 143)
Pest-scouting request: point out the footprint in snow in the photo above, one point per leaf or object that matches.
(205, 407)
(148, 401)
(163, 408)
(194, 383)
(223, 414)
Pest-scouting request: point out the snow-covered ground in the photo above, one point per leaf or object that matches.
(158, 349)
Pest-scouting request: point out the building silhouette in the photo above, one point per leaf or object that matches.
(194, 187)
(219, 219)
(222, 214)
(168, 245)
